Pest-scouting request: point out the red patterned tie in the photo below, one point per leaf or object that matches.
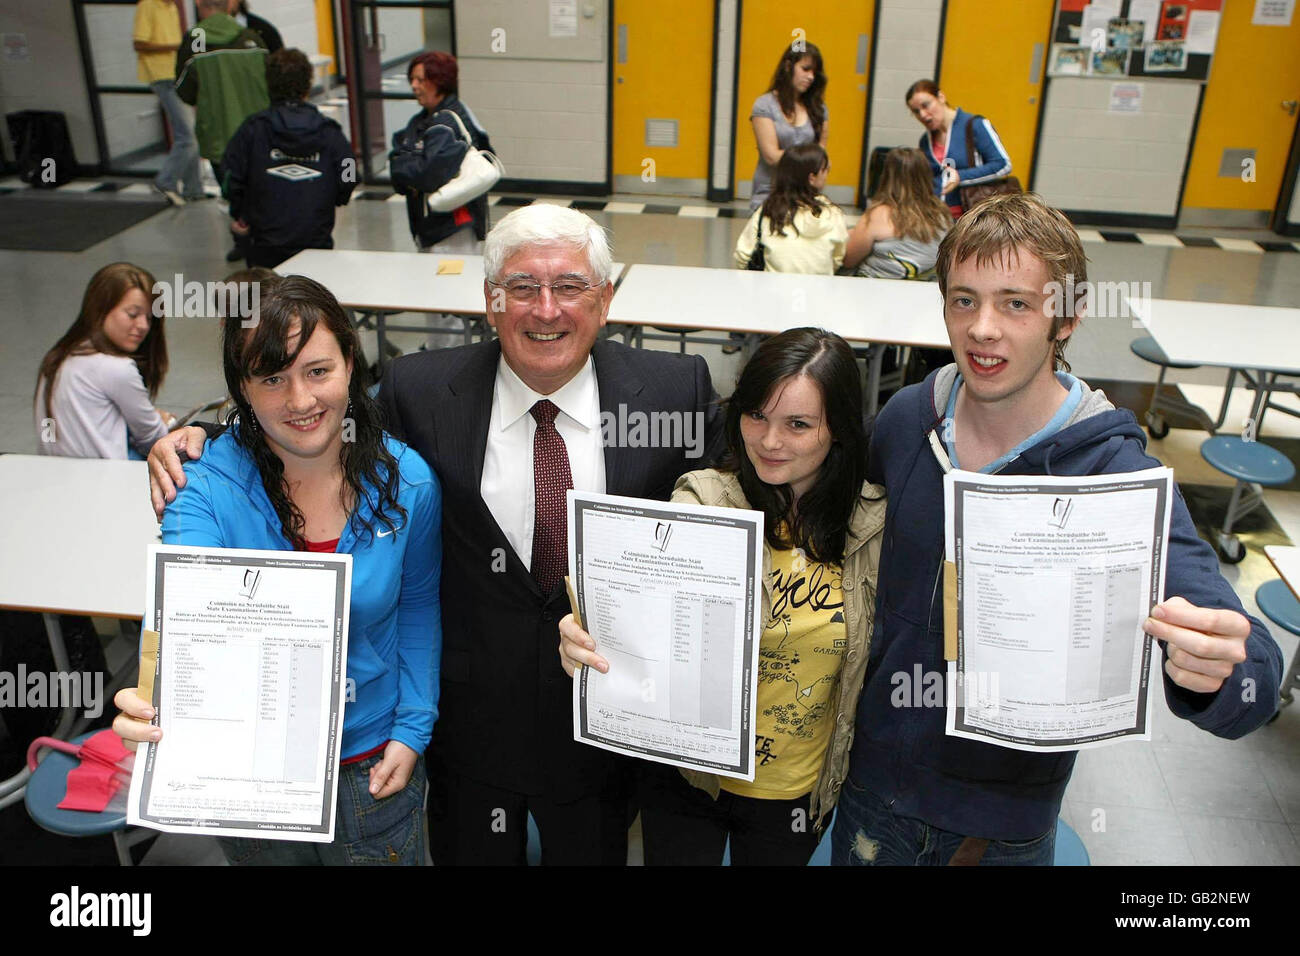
(551, 479)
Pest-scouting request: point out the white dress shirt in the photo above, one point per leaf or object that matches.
(507, 485)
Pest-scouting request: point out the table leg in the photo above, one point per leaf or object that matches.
(59, 650)
(873, 379)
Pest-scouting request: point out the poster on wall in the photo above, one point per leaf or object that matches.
(1171, 39)
(1273, 13)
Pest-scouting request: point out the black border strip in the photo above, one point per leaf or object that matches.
(1191, 148)
(711, 194)
(870, 80)
(938, 49)
(1283, 208)
(92, 90)
(1042, 103)
(551, 187)
(1089, 217)
(609, 99)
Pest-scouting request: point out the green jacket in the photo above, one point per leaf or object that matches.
(221, 71)
(861, 565)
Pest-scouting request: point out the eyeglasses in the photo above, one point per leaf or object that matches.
(527, 290)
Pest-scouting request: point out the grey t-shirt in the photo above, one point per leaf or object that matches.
(99, 400)
(769, 106)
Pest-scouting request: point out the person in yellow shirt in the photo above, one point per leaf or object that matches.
(797, 452)
(157, 35)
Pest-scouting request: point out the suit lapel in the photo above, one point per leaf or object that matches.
(468, 414)
(618, 384)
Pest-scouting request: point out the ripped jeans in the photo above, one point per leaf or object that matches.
(869, 833)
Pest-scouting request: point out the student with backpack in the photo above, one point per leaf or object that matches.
(287, 168)
(799, 229)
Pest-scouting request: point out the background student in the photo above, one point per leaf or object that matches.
(287, 168)
(801, 230)
(792, 112)
(948, 130)
(899, 233)
(96, 387)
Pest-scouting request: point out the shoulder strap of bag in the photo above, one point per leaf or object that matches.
(970, 139)
(460, 123)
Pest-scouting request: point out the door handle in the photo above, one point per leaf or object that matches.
(1290, 106)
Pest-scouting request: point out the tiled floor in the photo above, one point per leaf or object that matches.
(1183, 798)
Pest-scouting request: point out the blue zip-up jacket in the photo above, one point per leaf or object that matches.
(395, 627)
(990, 161)
(902, 753)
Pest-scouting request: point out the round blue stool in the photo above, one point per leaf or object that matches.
(1279, 605)
(1253, 464)
(1147, 349)
(46, 789)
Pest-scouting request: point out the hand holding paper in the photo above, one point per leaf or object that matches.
(577, 649)
(1204, 644)
(133, 723)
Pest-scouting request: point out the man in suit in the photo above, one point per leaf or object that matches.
(508, 426)
(504, 744)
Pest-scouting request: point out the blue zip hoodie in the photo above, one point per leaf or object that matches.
(991, 160)
(902, 753)
(395, 628)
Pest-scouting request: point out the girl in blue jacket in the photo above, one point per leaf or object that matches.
(307, 467)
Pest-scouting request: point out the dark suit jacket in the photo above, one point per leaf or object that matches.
(506, 714)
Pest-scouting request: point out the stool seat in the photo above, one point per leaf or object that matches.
(1147, 349)
(48, 786)
(1279, 605)
(1248, 460)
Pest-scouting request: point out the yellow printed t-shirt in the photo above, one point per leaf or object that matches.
(156, 21)
(798, 671)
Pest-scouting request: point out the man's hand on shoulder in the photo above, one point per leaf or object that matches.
(1204, 644)
(165, 471)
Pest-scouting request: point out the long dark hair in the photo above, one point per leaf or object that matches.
(791, 188)
(783, 85)
(86, 336)
(820, 525)
(285, 306)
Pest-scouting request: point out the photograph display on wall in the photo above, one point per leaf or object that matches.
(1109, 38)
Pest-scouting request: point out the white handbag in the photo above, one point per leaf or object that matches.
(479, 172)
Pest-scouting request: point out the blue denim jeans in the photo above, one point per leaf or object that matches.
(182, 163)
(869, 833)
(367, 832)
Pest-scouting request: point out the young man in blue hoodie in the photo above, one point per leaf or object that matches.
(914, 795)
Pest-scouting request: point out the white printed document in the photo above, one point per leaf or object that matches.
(1054, 579)
(249, 688)
(671, 595)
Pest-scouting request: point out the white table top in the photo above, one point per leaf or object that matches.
(393, 281)
(396, 281)
(1287, 562)
(735, 300)
(1231, 336)
(75, 534)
